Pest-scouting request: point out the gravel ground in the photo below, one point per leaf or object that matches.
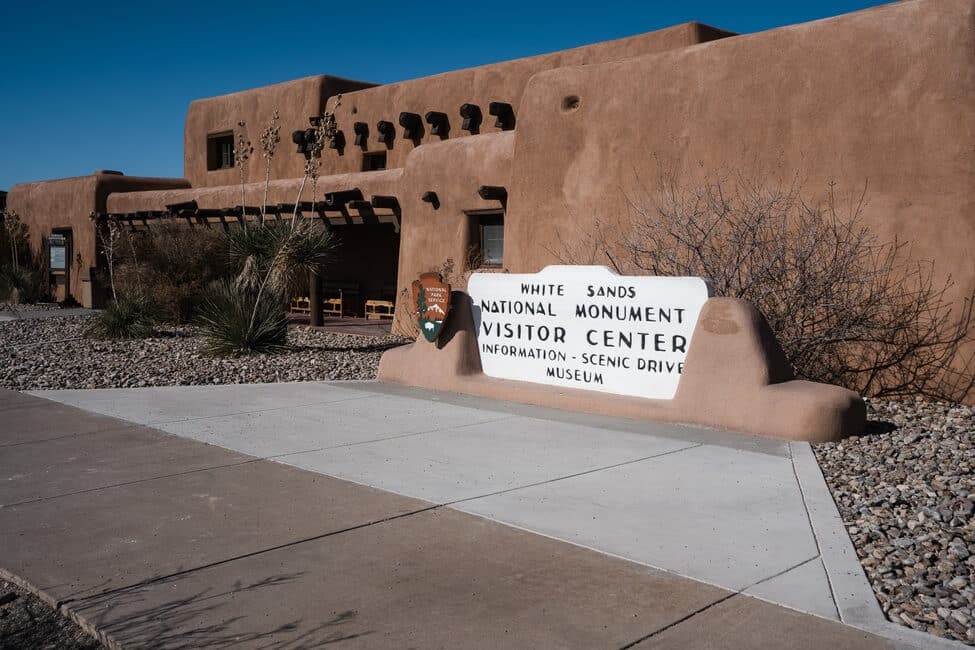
(41, 306)
(28, 622)
(906, 492)
(52, 353)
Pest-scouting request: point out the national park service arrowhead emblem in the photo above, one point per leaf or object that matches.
(431, 295)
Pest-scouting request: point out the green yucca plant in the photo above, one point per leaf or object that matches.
(248, 314)
(129, 317)
(278, 254)
(237, 319)
(268, 259)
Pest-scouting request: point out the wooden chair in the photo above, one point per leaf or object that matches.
(301, 305)
(379, 309)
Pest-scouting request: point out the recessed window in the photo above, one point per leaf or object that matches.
(373, 161)
(220, 151)
(487, 239)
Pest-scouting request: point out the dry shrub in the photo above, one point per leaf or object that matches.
(847, 307)
(171, 264)
(23, 276)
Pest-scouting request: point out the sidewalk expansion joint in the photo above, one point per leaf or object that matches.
(568, 476)
(148, 479)
(683, 619)
(383, 520)
(158, 423)
(244, 556)
(812, 529)
(740, 592)
(396, 437)
(122, 427)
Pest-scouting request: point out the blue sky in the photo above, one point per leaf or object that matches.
(106, 85)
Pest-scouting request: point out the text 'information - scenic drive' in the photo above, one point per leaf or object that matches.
(587, 327)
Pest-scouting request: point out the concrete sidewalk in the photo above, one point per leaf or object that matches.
(147, 536)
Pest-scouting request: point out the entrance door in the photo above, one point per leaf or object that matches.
(59, 263)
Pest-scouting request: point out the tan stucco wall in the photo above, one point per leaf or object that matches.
(501, 82)
(68, 203)
(295, 102)
(884, 96)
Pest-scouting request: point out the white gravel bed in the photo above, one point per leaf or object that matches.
(52, 354)
(906, 492)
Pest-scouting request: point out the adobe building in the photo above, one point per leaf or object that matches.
(519, 158)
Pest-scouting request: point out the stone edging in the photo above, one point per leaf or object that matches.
(852, 592)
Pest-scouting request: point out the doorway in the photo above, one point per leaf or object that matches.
(59, 247)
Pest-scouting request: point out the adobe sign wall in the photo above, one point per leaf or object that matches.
(586, 327)
(582, 338)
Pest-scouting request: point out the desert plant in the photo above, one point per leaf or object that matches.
(22, 285)
(268, 259)
(22, 274)
(278, 255)
(270, 137)
(237, 319)
(128, 317)
(110, 237)
(847, 307)
(242, 153)
(172, 266)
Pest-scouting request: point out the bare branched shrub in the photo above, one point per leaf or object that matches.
(23, 276)
(109, 234)
(171, 265)
(848, 308)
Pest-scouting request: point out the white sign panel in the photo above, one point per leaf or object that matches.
(587, 327)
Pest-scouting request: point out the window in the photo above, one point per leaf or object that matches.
(487, 238)
(373, 161)
(220, 151)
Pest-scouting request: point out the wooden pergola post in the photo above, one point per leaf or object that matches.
(315, 298)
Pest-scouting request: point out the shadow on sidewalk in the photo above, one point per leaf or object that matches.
(141, 616)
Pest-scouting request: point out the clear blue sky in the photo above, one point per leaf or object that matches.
(106, 85)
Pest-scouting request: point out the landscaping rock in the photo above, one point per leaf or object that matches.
(26, 621)
(53, 354)
(906, 492)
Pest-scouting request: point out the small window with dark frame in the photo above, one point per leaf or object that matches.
(491, 229)
(373, 161)
(220, 151)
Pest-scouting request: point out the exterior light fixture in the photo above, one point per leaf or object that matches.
(412, 126)
(361, 130)
(471, 114)
(439, 123)
(386, 131)
(505, 114)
